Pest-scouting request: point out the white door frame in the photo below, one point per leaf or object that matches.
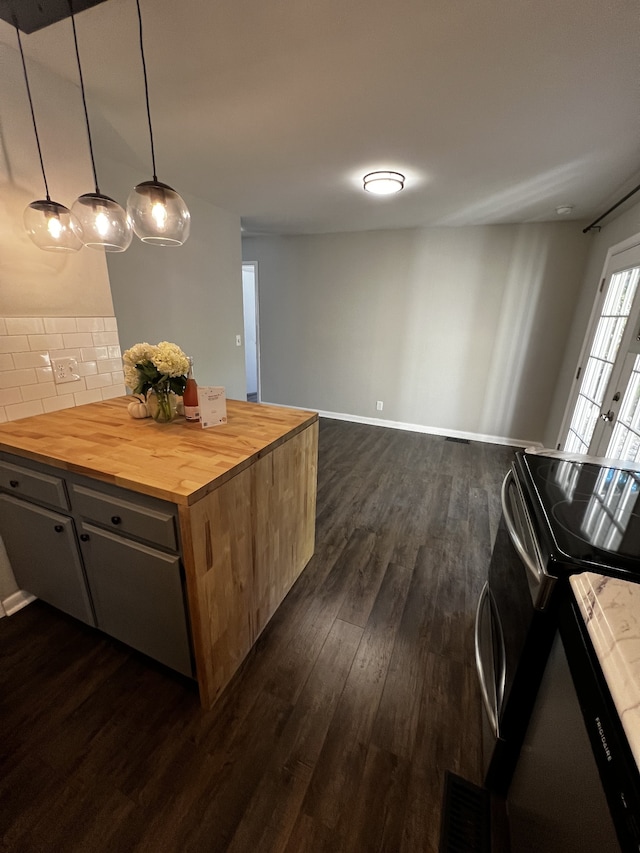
(254, 264)
(611, 266)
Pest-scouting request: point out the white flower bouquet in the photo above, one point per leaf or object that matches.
(158, 368)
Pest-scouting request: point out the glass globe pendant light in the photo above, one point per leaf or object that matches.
(102, 222)
(158, 214)
(48, 223)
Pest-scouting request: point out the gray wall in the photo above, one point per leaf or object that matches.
(191, 295)
(455, 329)
(621, 228)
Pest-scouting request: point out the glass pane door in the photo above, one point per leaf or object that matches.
(625, 440)
(584, 428)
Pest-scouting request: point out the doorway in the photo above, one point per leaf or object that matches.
(603, 416)
(251, 335)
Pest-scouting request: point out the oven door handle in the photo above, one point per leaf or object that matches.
(492, 712)
(535, 570)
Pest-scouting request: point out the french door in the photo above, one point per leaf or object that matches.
(604, 416)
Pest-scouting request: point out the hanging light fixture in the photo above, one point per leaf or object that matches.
(158, 214)
(103, 223)
(47, 222)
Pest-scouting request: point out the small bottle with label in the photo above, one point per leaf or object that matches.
(190, 397)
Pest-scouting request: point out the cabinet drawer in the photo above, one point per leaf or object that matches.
(124, 517)
(32, 484)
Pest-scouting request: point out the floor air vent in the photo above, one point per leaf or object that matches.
(465, 817)
(458, 440)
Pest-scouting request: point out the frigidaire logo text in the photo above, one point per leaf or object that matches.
(605, 745)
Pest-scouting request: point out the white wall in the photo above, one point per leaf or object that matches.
(459, 329)
(615, 231)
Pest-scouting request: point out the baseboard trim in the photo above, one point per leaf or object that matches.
(428, 430)
(16, 601)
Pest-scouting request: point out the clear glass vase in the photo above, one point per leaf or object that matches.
(162, 404)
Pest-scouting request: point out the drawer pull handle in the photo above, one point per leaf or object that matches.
(14, 484)
(84, 537)
(115, 519)
(58, 528)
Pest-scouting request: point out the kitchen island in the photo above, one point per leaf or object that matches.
(241, 496)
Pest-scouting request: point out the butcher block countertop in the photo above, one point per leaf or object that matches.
(178, 462)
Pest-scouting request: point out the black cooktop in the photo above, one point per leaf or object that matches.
(588, 513)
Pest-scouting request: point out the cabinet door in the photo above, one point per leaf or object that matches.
(137, 595)
(44, 556)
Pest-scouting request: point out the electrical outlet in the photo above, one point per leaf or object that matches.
(379, 405)
(65, 370)
(238, 340)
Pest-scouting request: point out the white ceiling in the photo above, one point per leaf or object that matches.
(496, 110)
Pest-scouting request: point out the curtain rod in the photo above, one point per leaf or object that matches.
(617, 204)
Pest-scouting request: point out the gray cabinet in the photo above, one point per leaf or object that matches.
(43, 553)
(111, 557)
(137, 595)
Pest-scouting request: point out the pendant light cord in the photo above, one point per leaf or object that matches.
(33, 115)
(146, 92)
(84, 100)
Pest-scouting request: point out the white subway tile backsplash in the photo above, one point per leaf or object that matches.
(14, 343)
(99, 381)
(9, 396)
(27, 345)
(37, 392)
(105, 339)
(24, 325)
(90, 324)
(88, 396)
(66, 353)
(78, 339)
(44, 374)
(24, 410)
(108, 365)
(60, 325)
(87, 368)
(54, 404)
(31, 359)
(71, 387)
(37, 342)
(113, 391)
(17, 378)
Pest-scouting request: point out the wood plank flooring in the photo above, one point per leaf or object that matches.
(335, 734)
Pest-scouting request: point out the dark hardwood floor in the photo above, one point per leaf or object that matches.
(335, 734)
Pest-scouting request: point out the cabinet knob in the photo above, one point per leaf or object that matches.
(58, 528)
(84, 537)
(14, 484)
(115, 519)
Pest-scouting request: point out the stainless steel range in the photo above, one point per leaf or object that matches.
(560, 517)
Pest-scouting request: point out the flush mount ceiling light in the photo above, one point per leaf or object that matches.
(564, 209)
(47, 223)
(103, 222)
(383, 183)
(158, 214)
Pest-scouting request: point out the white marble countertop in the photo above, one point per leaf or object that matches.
(611, 610)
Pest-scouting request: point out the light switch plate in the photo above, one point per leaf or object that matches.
(238, 340)
(65, 370)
